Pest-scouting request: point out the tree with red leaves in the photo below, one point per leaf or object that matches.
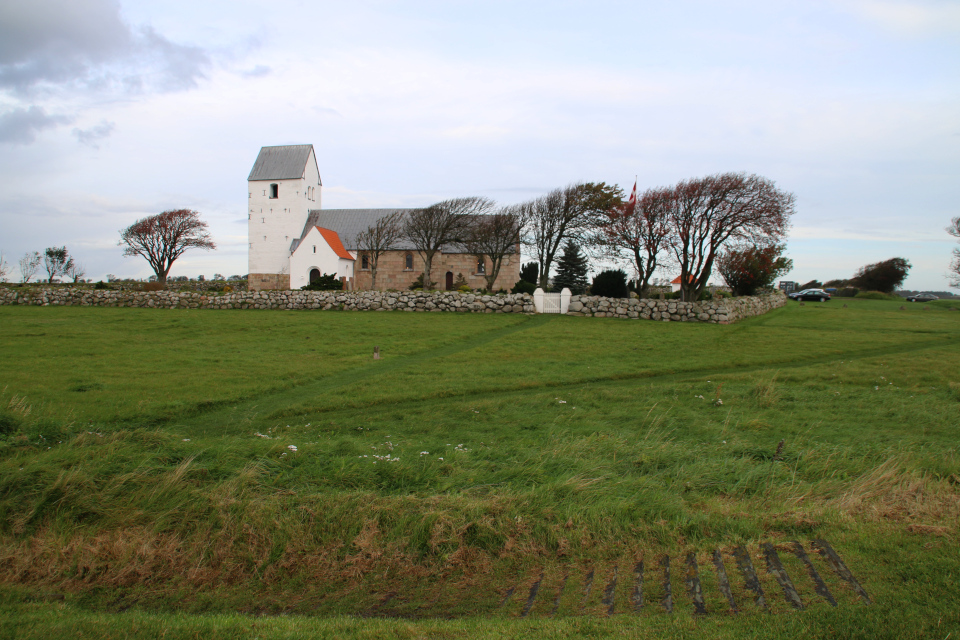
(751, 268)
(163, 238)
(707, 213)
(638, 229)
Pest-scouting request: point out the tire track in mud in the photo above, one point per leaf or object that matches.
(233, 412)
(641, 377)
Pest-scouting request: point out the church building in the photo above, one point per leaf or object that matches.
(293, 241)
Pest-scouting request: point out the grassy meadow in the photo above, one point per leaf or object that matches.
(232, 474)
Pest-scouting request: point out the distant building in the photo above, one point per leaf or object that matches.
(675, 283)
(293, 241)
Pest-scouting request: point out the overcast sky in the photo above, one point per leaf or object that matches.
(111, 111)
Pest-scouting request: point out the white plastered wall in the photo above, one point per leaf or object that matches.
(273, 223)
(315, 253)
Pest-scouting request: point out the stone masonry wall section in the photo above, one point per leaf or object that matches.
(715, 311)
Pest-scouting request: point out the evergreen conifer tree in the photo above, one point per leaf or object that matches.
(571, 270)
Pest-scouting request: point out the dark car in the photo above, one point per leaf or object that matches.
(811, 294)
(922, 297)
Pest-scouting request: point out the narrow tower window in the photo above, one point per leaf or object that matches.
(274, 190)
(408, 262)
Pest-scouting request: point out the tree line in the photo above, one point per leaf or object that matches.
(55, 261)
(731, 223)
(694, 224)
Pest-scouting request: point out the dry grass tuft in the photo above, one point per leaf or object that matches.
(766, 392)
(891, 492)
(928, 530)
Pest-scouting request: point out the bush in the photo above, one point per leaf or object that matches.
(418, 284)
(326, 282)
(883, 276)
(876, 295)
(464, 288)
(529, 272)
(610, 284)
(749, 269)
(848, 292)
(102, 285)
(523, 286)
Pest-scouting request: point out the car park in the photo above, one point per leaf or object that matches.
(922, 297)
(811, 294)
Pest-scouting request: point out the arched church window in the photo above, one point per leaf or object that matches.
(408, 262)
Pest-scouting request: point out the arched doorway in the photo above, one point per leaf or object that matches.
(315, 276)
(449, 280)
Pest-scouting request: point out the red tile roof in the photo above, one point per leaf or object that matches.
(334, 241)
(677, 280)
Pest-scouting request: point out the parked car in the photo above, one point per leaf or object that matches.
(811, 294)
(922, 297)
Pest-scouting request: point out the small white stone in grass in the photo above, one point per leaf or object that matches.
(424, 453)
(292, 447)
(437, 458)
(186, 439)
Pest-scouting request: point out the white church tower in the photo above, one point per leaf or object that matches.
(283, 186)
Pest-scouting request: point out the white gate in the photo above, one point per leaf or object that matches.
(551, 302)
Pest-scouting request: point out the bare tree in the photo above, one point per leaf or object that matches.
(29, 265)
(638, 230)
(954, 272)
(494, 237)
(707, 212)
(564, 214)
(163, 238)
(443, 223)
(377, 239)
(57, 261)
(76, 271)
(4, 268)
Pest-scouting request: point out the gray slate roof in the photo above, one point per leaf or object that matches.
(348, 223)
(281, 163)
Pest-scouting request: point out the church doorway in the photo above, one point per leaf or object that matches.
(314, 276)
(449, 280)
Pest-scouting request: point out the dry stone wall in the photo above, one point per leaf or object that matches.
(722, 311)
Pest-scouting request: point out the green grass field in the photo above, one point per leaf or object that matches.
(237, 474)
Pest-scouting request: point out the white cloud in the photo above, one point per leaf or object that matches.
(915, 18)
(92, 136)
(21, 126)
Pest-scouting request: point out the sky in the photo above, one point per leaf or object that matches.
(112, 111)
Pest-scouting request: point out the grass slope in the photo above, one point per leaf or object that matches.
(263, 462)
